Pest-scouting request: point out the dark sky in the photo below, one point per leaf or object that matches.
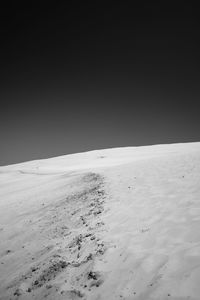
(79, 77)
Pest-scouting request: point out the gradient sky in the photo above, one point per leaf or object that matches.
(81, 77)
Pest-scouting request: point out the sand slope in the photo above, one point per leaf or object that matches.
(118, 223)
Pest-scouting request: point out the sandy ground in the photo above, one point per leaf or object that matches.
(119, 223)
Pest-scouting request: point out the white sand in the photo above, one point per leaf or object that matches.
(119, 223)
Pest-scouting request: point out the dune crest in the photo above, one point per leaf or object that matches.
(119, 223)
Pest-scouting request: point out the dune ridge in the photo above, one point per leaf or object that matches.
(119, 223)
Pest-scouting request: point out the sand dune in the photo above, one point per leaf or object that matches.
(120, 223)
